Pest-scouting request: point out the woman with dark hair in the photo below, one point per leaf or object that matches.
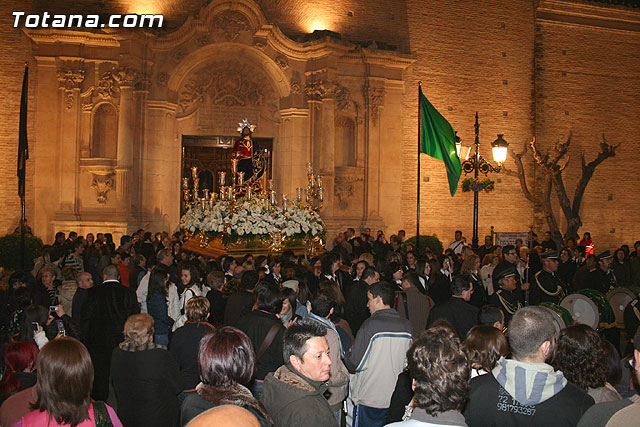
(471, 268)
(34, 322)
(157, 299)
(274, 271)
(582, 357)
(621, 267)
(190, 284)
(145, 377)
(264, 329)
(65, 378)
(227, 367)
(185, 340)
(19, 359)
(423, 268)
(441, 380)
(288, 311)
(440, 285)
(484, 346)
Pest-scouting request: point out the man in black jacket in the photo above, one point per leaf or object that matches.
(525, 390)
(356, 311)
(105, 310)
(257, 325)
(457, 310)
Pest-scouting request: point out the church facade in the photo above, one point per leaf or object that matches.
(118, 117)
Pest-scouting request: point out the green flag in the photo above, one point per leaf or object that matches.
(438, 140)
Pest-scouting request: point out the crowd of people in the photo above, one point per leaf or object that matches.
(370, 333)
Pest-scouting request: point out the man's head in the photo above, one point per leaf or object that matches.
(604, 260)
(323, 304)
(591, 261)
(350, 232)
(125, 243)
(164, 257)
(379, 296)
(410, 279)
(440, 370)
(491, 315)
(110, 272)
(306, 349)
(268, 297)
(509, 254)
(458, 235)
(249, 280)
(84, 280)
(507, 279)
(462, 287)
(532, 334)
(547, 235)
(60, 238)
(197, 309)
(488, 242)
(370, 276)
(550, 261)
(401, 234)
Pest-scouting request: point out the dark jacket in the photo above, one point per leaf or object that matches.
(184, 346)
(256, 325)
(104, 313)
(238, 305)
(157, 308)
(295, 401)
(218, 302)
(207, 397)
(418, 306)
(547, 403)
(462, 315)
(355, 309)
(146, 381)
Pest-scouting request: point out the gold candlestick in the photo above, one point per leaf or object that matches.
(203, 203)
(319, 181)
(206, 193)
(249, 192)
(221, 178)
(240, 178)
(306, 195)
(298, 195)
(272, 198)
(309, 169)
(234, 164)
(284, 202)
(230, 194)
(321, 194)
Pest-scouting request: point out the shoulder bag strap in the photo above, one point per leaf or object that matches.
(268, 339)
(101, 414)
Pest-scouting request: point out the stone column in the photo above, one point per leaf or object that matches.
(69, 81)
(126, 131)
(292, 151)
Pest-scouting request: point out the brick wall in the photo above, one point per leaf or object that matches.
(15, 51)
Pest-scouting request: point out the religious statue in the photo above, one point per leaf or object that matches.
(251, 159)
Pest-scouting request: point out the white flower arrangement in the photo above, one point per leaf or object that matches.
(254, 218)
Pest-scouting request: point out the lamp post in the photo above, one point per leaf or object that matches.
(478, 164)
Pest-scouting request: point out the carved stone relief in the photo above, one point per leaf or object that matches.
(102, 184)
(69, 80)
(282, 62)
(163, 79)
(228, 83)
(376, 100)
(126, 76)
(230, 23)
(107, 86)
(344, 189)
(317, 90)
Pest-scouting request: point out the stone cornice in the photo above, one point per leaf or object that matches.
(49, 36)
(588, 14)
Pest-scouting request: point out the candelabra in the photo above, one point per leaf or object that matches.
(314, 193)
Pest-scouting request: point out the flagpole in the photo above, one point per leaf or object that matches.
(23, 155)
(418, 198)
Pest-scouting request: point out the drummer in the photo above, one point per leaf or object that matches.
(602, 278)
(507, 297)
(547, 286)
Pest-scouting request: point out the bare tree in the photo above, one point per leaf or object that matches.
(552, 164)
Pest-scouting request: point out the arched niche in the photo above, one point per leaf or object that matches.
(345, 147)
(104, 132)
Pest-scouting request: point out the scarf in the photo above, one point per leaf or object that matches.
(529, 383)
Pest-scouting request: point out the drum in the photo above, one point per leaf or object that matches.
(561, 315)
(619, 298)
(590, 307)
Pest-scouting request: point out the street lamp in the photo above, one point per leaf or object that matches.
(478, 164)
